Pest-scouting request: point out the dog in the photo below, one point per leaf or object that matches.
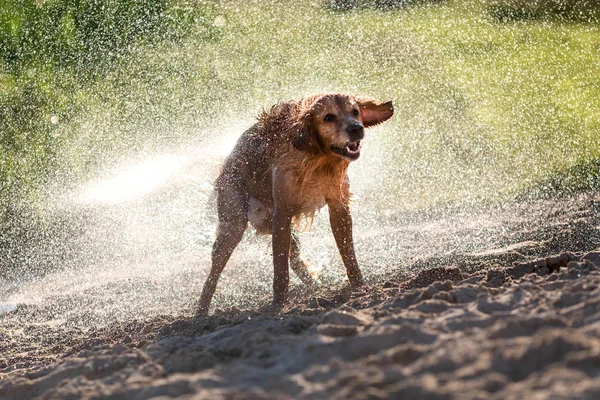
(288, 165)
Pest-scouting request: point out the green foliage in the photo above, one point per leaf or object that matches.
(24, 140)
(483, 107)
(345, 5)
(580, 177)
(86, 34)
(53, 55)
(566, 10)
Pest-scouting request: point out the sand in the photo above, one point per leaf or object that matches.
(497, 323)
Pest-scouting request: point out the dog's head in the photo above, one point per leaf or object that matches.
(335, 123)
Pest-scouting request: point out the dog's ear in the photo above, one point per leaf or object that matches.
(374, 112)
(305, 137)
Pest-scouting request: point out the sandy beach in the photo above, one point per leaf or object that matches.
(512, 322)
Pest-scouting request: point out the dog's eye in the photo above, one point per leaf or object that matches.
(329, 118)
(355, 112)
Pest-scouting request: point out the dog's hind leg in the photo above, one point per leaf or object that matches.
(233, 219)
(297, 264)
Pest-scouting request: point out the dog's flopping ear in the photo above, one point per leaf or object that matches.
(373, 112)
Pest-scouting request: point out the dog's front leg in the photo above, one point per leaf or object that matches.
(341, 226)
(282, 230)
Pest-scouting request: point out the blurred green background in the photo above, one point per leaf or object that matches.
(494, 98)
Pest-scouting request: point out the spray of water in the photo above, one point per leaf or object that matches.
(148, 228)
(134, 197)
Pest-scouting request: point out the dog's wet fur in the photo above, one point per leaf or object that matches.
(286, 167)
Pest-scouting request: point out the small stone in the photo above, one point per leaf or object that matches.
(593, 258)
(336, 330)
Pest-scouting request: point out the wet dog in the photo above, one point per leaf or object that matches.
(286, 167)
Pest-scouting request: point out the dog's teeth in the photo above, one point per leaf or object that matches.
(354, 146)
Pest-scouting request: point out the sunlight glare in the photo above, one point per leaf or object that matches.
(135, 181)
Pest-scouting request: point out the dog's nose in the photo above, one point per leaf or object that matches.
(356, 132)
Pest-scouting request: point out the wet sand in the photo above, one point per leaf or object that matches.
(496, 322)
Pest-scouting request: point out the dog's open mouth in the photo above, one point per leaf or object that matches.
(351, 150)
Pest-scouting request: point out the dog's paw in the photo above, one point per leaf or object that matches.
(357, 283)
(201, 310)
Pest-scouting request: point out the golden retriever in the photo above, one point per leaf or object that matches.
(287, 166)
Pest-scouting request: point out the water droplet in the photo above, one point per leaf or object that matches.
(220, 21)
